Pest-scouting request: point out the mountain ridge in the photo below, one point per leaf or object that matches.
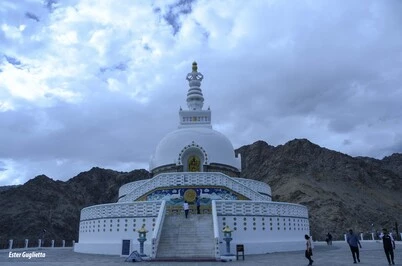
(340, 191)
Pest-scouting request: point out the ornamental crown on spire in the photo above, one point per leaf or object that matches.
(195, 99)
(194, 75)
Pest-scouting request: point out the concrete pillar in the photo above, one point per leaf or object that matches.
(52, 243)
(372, 236)
(64, 243)
(361, 236)
(26, 243)
(39, 243)
(10, 243)
(346, 238)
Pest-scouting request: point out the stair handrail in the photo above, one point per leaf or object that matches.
(158, 229)
(216, 230)
(156, 181)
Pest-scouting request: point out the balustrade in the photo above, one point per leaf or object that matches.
(238, 185)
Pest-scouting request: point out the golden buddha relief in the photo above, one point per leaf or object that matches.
(194, 164)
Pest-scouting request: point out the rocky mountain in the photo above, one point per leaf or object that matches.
(340, 191)
(4, 188)
(42, 203)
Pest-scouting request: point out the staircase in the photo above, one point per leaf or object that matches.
(187, 239)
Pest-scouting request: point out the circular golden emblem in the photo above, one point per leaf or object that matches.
(190, 195)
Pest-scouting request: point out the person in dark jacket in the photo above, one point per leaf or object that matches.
(329, 239)
(198, 205)
(389, 245)
(354, 244)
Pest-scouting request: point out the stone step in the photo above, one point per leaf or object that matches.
(200, 247)
(186, 253)
(187, 238)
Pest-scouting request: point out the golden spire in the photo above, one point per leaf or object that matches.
(195, 66)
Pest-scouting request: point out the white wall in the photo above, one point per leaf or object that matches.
(258, 235)
(109, 230)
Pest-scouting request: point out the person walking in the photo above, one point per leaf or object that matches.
(389, 245)
(354, 244)
(309, 250)
(329, 239)
(198, 206)
(185, 207)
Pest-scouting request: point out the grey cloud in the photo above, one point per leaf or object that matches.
(50, 4)
(32, 16)
(346, 142)
(3, 167)
(182, 7)
(332, 77)
(120, 66)
(12, 60)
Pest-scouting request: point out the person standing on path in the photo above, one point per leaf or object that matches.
(185, 207)
(329, 239)
(354, 244)
(198, 206)
(389, 245)
(309, 250)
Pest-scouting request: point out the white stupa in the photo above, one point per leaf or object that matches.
(192, 163)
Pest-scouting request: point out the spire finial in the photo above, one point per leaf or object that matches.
(195, 99)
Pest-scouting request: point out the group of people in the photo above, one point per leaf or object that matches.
(354, 244)
(352, 239)
(387, 241)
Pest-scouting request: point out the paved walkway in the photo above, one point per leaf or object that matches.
(338, 254)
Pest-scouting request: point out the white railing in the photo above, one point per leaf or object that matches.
(256, 185)
(126, 209)
(158, 229)
(193, 179)
(25, 244)
(253, 184)
(216, 230)
(245, 207)
(127, 188)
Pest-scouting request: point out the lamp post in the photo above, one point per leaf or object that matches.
(142, 237)
(227, 236)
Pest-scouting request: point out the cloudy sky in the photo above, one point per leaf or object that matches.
(87, 83)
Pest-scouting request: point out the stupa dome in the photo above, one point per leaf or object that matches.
(212, 145)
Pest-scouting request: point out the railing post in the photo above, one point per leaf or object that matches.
(26, 243)
(372, 236)
(39, 243)
(64, 243)
(346, 239)
(10, 244)
(361, 236)
(52, 243)
(73, 243)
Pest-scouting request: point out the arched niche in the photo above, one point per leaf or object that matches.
(193, 158)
